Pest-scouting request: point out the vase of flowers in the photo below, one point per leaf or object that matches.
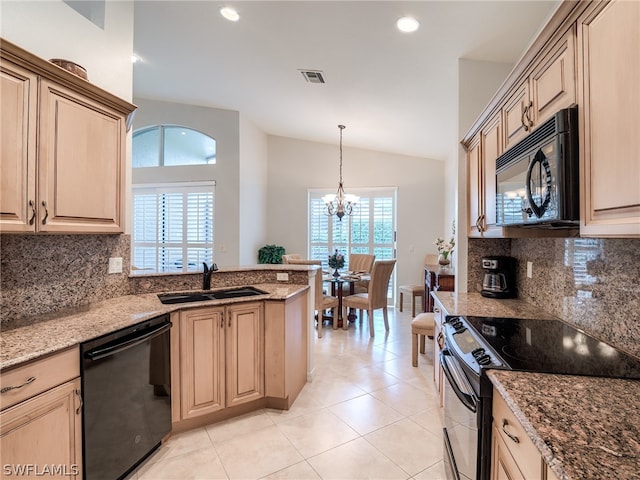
(445, 249)
(336, 261)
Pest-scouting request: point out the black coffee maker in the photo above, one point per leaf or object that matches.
(499, 278)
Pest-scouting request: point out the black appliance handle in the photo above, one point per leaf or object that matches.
(469, 401)
(118, 346)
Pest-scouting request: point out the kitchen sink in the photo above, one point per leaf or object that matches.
(202, 296)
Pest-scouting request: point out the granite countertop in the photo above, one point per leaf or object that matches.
(38, 336)
(475, 304)
(584, 427)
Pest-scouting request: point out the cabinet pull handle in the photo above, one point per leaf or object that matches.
(46, 213)
(528, 111)
(15, 387)
(440, 341)
(436, 310)
(510, 435)
(32, 204)
(222, 321)
(229, 315)
(523, 116)
(79, 409)
(478, 226)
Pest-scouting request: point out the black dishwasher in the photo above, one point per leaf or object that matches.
(126, 387)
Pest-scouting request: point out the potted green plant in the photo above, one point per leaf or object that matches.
(270, 254)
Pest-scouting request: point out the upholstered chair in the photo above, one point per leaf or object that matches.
(290, 256)
(416, 290)
(422, 326)
(361, 263)
(376, 297)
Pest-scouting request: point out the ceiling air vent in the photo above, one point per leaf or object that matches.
(313, 76)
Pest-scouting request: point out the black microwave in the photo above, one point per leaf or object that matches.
(537, 180)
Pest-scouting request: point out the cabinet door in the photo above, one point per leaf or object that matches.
(44, 432)
(490, 150)
(438, 345)
(202, 361)
(81, 164)
(503, 465)
(245, 353)
(18, 97)
(515, 120)
(474, 188)
(609, 97)
(553, 83)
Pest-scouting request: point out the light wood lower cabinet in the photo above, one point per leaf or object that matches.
(438, 345)
(513, 454)
(43, 433)
(221, 357)
(609, 99)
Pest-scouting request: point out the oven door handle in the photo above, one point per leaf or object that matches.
(469, 400)
(118, 346)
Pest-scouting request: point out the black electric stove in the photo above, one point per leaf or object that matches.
(473, 345)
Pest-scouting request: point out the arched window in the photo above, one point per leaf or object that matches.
(171, 145)
(173, 221)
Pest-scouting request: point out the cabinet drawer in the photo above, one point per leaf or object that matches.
(46, 373)
(523, 450)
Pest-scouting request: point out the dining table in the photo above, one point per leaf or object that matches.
(338, 290)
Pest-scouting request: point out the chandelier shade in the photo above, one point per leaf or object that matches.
(340, 203)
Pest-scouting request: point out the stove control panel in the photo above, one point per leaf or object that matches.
(469, 346)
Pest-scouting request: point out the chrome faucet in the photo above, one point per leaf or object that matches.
(206, 275)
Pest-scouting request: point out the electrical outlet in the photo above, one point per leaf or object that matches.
(282, 277)
(115, 265)
(529, 269)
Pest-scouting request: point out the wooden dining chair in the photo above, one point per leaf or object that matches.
(375, 298)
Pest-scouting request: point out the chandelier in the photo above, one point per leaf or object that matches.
(340, 203)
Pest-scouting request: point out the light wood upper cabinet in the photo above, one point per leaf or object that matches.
(553, 82)
(18, 97)
(609, 94)
(481, 158)
(63, 150)
(474, 188)
(221, 358)
(550, 87)
(516, 123)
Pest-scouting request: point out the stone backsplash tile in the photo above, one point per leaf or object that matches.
(44, 273)
(594, 284)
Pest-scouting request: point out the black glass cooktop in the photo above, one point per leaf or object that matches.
(552, 346)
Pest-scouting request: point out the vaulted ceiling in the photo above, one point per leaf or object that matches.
(395, 92)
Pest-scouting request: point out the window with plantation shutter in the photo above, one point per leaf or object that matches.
(173, 226)
(370, 229)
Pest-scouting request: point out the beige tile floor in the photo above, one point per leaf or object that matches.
(367, 414)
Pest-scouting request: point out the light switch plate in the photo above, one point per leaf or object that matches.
(529, 269)
(282, 277)
(115, 265)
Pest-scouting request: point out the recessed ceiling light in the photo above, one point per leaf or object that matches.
(407, 24)
(230, 14)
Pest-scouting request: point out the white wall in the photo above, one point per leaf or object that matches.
(52, 29)
(224, 126)
(253, 191)
(477, 83)
(297, 165)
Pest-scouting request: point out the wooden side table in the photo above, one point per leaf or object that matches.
(437, 277)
